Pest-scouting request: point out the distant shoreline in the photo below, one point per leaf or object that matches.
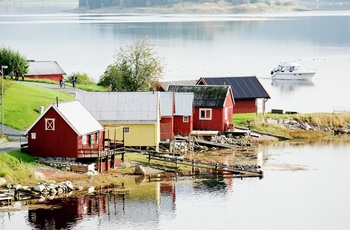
(197, 8)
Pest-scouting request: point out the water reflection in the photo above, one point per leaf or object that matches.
(289, 86)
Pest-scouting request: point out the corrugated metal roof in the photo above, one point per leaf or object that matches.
(76, 116)
(245, 87)
(166, 104)
(183, 104)
(165, 84)
(44, 68)
(204, 95)
(122, 107)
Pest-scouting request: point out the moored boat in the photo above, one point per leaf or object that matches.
(288, 70)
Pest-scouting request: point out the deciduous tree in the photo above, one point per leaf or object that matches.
(137, 68)
(13, 60)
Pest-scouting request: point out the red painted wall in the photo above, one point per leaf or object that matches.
(247, 106)
(183, 128)
(55, 77)
(166, 128)
(217, 121)
(60, 142)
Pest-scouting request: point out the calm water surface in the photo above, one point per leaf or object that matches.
(304, 187)
(196, 46)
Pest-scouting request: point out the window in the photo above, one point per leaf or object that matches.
(205, 114)
(49, 124)
(185, 119)
(83, 140)
(33, 136)
(126, 129)
(226, 114)
(92, 139)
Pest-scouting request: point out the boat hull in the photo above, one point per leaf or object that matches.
(293, 75)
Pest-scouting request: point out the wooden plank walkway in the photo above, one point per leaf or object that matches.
(209, 143)
(213, 167)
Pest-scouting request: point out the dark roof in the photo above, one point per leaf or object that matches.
(247, 87)
(204, 95)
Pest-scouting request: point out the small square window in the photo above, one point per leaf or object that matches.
(205, 114)
(185, 118)
(33, 136)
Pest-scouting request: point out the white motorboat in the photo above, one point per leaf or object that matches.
(287, 70)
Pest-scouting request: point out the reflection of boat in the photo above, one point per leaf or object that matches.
(291, 71)
(290, 85)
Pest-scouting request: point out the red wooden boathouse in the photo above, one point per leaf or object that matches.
(49, 70)
(213, 106)
(248, 92)
(67, 130)
(183, 117)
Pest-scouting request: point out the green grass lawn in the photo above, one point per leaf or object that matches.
(22, 103)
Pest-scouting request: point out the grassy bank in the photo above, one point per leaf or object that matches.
(23, 101)
(325, 121)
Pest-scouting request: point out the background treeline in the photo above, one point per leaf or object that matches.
(93, 4)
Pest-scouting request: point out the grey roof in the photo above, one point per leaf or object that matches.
(166, 104)
(122, 107)
(204, 95)
(183, 104)
(245, 87)
(164, 84)
(44, 68)
(76, 116)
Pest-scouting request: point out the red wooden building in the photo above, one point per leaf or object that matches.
(68, 130)
(248, 92)
(167, 110)
(183, 117)
(213, 106)
(49, 70)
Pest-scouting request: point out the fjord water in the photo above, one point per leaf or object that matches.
(195, 46)
(304, 186)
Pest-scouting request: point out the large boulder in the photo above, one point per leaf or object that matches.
(2, 181)
(139, 170)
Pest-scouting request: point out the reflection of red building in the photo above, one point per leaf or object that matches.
(66, 211)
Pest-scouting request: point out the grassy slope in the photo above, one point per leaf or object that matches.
(22, 103)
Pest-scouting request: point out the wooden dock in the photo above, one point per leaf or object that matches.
(172, 163)
(6, 197)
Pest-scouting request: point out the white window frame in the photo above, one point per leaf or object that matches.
(205, 110)
(49, 124)
(185, 119)
(83, 140)
(226, 113)
(33, 136)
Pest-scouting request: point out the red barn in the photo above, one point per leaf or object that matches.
(49, 70)
(247, 91)
(65, 130)
(183, 117)
(213, 106)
